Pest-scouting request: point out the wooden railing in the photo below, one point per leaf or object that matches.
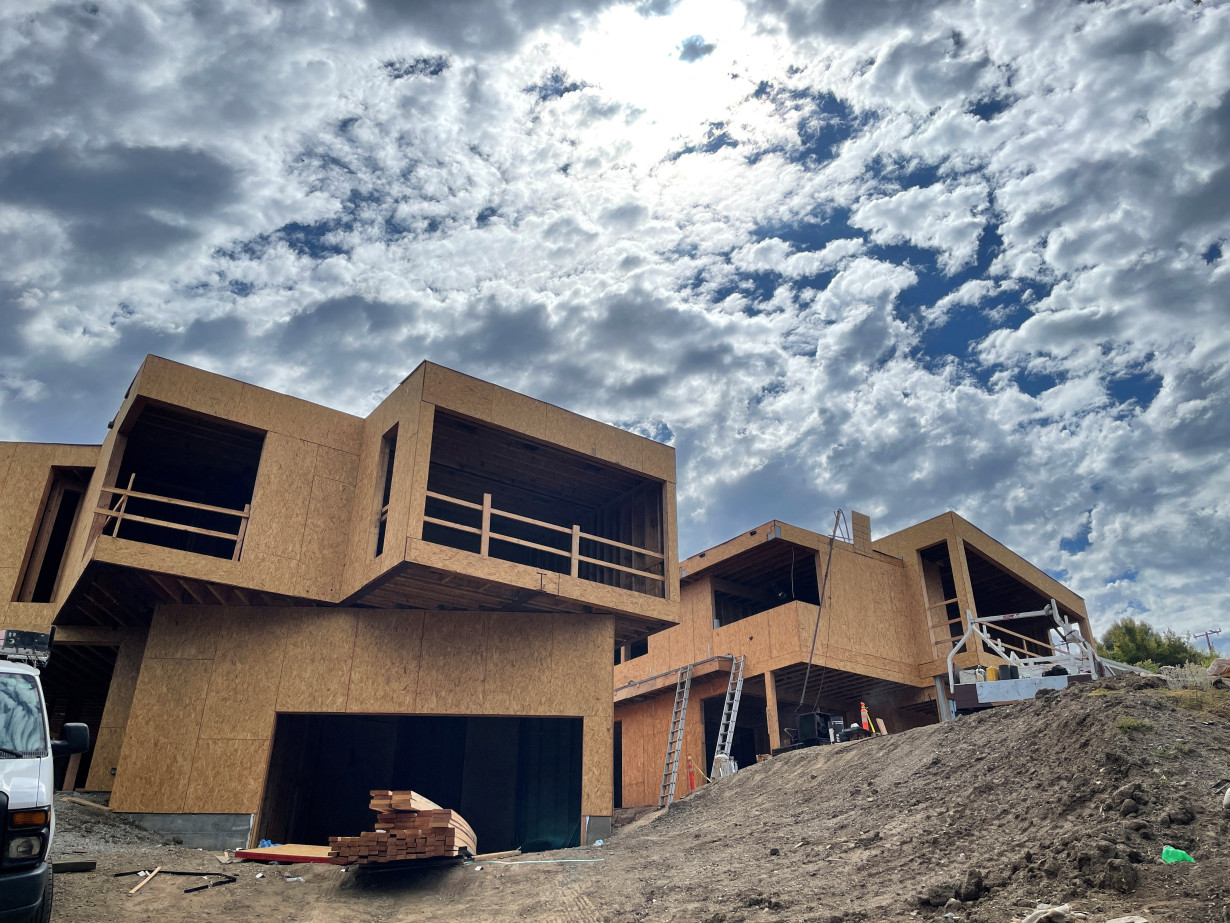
(119, 512)
(486, 533)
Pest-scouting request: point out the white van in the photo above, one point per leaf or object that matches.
(27, 821)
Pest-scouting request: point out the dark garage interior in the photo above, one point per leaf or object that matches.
(516, 781)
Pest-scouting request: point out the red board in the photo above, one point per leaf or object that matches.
(289, 852)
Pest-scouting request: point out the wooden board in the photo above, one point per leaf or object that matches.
(289, 852)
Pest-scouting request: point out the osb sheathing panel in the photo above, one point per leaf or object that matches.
(227, 776)
(250, 664)
(403, 409)
(280, 501)
(184, 633)
(243, 689)
(457, 392)
(597, 782)
(324, 537)
(313, 637)
(388, 656)
(475, 565)
(124, 680)
(27, 616)
(162, 736)
(25, 475)
(186, 386)
(105, 757)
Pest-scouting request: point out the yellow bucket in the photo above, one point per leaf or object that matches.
(992, 673)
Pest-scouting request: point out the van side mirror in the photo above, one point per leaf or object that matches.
(76, 740)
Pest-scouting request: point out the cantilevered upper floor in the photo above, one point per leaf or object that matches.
(452, 494)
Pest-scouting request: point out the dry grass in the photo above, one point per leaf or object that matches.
(1215, 702)
(1126, 724)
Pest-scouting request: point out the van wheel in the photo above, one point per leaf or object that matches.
(44, 912)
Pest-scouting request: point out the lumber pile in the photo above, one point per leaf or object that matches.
(408, 826)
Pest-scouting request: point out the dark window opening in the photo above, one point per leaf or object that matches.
(638, 648)
(51, 534)
(516, 781)
(76, 683)
(540, 500)
(388, 456)
(764, 578)
(937, 574)
(751, 732)
(208, 465)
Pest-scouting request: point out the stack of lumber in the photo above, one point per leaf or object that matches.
(408, 826)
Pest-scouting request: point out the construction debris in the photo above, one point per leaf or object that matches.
(408, 826)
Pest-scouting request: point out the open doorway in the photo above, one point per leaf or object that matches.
(516, 781)
(751, 735)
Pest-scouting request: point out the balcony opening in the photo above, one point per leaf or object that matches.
(503, 495)
(998, 592)
(51, 534)
(763, 578)
(185, 481)
(388, 456)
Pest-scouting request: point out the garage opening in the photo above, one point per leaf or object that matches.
(751, 733)
(516, 781)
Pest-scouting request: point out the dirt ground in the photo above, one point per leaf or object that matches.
(1067, 799)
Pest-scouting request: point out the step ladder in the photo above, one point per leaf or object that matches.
(723, 765)
(674, 743)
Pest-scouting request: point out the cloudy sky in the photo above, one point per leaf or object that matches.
(900, 257)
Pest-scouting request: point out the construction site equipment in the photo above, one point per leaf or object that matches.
(1070, 657)
(674, 742)
(723, 764)
(408, 826)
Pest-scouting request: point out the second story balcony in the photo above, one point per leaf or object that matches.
(502, 495)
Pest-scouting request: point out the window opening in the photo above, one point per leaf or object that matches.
(388, 455)
(52, 532)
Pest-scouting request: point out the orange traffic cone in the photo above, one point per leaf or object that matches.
(866, 718)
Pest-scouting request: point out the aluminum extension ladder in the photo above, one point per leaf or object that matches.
(723, 765)
(674, 743)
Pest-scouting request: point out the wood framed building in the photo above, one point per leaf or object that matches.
(264, 607)
(892, 611)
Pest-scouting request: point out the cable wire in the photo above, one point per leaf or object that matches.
(838, 517)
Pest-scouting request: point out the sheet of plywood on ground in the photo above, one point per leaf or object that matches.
(226, 776)
(162, 735)
(384, 673)
(321, 562)
(311, 638)
(243, 689)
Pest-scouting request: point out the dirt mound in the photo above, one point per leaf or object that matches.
(1067, 798)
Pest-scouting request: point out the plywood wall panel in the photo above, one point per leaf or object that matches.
(162, 736)
(597, 795)
(457, 392)
(124, 680)
(105, 757)
(453, 663)
(388, 655)
(185, 386)
(580, 672)
(337, 465)
(511, 666)
(518, 412)
(317, 649)
(280, 500)
(325, 535)
(184, 633)
(243, 688)
(227, 776)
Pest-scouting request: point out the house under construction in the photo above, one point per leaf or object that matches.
(265, 608)
(892, 612)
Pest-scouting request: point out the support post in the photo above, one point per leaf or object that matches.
(576, 548)
(486, 537)
(770, 710)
